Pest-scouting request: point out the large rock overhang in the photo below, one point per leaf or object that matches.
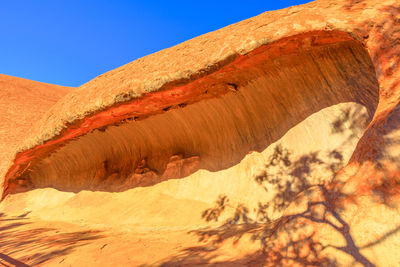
(210, 121)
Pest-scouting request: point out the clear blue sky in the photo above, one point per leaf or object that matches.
(69, 42)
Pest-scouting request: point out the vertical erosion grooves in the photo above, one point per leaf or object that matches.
(210, 122)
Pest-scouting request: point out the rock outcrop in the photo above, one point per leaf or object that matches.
(191, 121)
(23, 103)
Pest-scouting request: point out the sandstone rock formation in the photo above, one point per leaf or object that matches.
(23, 102)
(155, 142)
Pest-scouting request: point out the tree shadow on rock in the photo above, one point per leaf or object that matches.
(37, 245)
(305, 205)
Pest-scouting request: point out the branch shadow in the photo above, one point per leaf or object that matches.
(37, 245)
(291, 239)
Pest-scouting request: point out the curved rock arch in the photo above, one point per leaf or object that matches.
(174, 81)
(211, 122)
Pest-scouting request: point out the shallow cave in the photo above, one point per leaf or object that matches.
(263, 101)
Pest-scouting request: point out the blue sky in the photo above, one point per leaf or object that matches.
(69, 42)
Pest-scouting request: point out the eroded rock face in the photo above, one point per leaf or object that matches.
(23, 103)
(211, 76)
(201, 111)
(203, 187)
(270, 95)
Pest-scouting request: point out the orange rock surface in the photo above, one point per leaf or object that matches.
(23, 103)
(290, 119)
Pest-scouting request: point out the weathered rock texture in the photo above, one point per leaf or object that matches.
(212, 134)
(199, 110)
(23, 103)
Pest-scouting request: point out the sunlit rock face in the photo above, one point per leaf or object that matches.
(148, 148)
(177, 203)
(22, 103)
(215, 133)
